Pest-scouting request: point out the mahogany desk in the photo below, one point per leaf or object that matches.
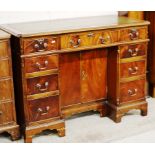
(68, 66)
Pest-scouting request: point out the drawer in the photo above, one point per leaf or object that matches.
(6, 113)
(6, 89)
(134, 33)
(129, 51)
(131, 91)
(42, 84)
(4, 49)
(108, 37)
(5, 68)
(45, 108)
(80, 39)
(41, 63)
(132, 69)
(40, 44)
(88, 39)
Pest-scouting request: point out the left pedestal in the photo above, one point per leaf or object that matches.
(7, 104)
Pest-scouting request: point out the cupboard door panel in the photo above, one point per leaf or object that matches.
(93, 74)
(70, 78)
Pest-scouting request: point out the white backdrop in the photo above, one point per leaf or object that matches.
(13, 17)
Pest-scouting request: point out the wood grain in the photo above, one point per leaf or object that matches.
(138, 85)
(70, 69)
(6, 89)
(8, 121)
(6, 113)
(133, 69)
(43, 44)
(43, 108)
(41, 63)
(90, 52)
(125, 50)
(4, 49)
(93, 75)
(125, 33)
(5, 68)
(38, 85)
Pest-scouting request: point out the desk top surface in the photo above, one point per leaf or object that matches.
(60, 26)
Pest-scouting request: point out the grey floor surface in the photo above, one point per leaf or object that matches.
(90, 128)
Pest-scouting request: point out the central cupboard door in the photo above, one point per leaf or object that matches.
(93, 75)
(83, 76)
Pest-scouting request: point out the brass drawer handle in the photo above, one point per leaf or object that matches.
(39, 86)
(43, 112)
(133, 53)
(90, 34)
(40, 45)
(75, 44)
(132, 92)
(133, 34)
(104, 40)
(133, 70)
(39, 65)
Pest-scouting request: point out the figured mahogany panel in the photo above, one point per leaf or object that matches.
(134, 50)
(132, 69)
(6, 89)
(6, 113)
(93, 74)
(4, 49)
(41, 63)
(133, 90)
(108, 37)
(41, 109)
(42, 84)
(133, 33)
(69, 78)
(76, 40)
(88, 38)
(40, 44)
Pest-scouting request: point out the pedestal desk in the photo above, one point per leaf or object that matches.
(68, 66)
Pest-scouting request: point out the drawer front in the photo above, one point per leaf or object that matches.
(40, 44)
(132, 69)
(108, 37)
(131, 91)
(6, 89)
(133, 33)
(80, 39)
(5, 68)
(6, 113)
(129, 51)
(42, 84)
(88, 39)
(4, 49)
(43, 108)
(41, 63)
